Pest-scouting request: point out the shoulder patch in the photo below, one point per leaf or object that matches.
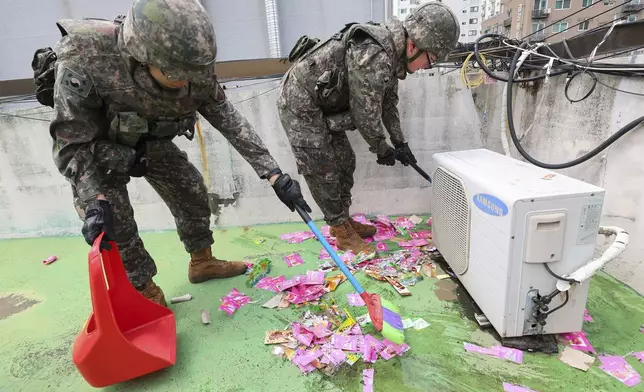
(76, 83)
(219, 95)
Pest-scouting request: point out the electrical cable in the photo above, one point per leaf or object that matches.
(23, 117)
(628, 127)
(557, 276)
(485, 69)
(574, 75)
(471, 83)
(620, 90)
(258, 95)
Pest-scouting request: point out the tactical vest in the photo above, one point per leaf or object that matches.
(322, 71)
(129, 124)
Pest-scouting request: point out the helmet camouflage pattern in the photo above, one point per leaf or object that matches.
(434, 28)
(176, 36)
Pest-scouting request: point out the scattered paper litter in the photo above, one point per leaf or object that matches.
(418, 235)
(617, 367)
(578, 341)
(507, 387)
(576, 359)
(293, 259)
(443, 276)
(205, 317)
(416, 220)
(355, 300)
(413, 243)
(639, 355)
(587, 317)
(408, 323)
(50, 259)
(419, 324)
(367, 380)
(297, 237)
(381, 247)
(233, 301)
(510, 354)
(183, 298)
(274, 302)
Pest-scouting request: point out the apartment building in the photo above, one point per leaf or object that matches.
(467, 11)
(520, 18)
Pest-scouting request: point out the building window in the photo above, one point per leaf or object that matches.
(559, 27)
(403, 11)
(502, 7)
(462, 35)
(584, 25)
(474, 9)
(632, 18)
(472, 33)
(474, 20)
(463, 23)
(537, 28)
(540, 4)
(586, 3)
(562, 4)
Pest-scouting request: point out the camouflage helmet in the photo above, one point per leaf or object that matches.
(434, 28)
(176, 36)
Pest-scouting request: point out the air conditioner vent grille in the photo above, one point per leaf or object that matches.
(451, 216)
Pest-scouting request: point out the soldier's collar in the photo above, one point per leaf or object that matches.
(399, 36)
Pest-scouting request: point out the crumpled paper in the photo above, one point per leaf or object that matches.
(617, 367)
(233, 301)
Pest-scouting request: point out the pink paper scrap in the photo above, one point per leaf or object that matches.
(381, 247)
(342, 342)
(321, 331)
(355, 300)
(324, 255)
(639, 355)
(373, 342)
(307, 369)
(293, 259)
(429, 221)
(617, 367)
(384, 219)
(362, 218)
(326, 231)
(417, 235)
(356, 330)
(297, 237)
(587, 317)
(314, 277)
(270, 284)
(398, 349)
(333, 355)
(510, 354)
(348, 257)
(288, 283)
(384, 234)
(404, 223)
(233, 301)
(507, 387)
(367, 380)
(369, 354)
(302, 334)
(579, 341)
(306, 357)
(413, 243)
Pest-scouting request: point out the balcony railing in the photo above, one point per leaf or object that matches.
(540, 14)
(630, 7)
(540, 36)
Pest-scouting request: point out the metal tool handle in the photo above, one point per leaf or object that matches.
(421, 172)
(307, 219)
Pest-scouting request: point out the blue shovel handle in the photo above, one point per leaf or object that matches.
(307, 219)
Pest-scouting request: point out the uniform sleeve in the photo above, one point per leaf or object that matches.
(390, 116)
(222, 115)
(369, 75)
(78, 122)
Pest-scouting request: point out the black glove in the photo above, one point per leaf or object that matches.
(404, 154)
(389, 159)
(289, 192)
(98, 219)
(140, 166)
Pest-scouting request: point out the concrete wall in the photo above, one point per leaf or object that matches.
(35, 200)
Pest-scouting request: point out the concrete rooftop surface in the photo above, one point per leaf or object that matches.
(43, 308)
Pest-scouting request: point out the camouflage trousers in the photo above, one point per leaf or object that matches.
(325, 159)
(181, 186)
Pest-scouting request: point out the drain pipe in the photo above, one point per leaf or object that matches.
(272, 25)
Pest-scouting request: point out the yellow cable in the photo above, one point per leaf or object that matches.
(472, 83)
(204, 155)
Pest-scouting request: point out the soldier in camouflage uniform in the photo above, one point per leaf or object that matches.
(351, 81)
(123, 91)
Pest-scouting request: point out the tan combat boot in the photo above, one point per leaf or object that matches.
(203, 266)
(362, 230)
(154, 293)
(347, 239)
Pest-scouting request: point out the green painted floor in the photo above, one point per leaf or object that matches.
(229, 355)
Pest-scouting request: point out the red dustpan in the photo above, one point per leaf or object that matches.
(126, 335)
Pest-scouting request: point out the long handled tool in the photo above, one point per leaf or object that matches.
(384, 315)
(421, 172)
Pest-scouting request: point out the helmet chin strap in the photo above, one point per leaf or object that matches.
(414, 57)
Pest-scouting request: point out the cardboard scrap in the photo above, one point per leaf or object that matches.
(443, 276)
(274, 302)
(429, 270)
(402, 290)
(576, 359)
(617, 367)
(415, 220)
(278, 336)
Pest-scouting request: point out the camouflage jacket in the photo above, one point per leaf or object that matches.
(357, 71)
(105, 103)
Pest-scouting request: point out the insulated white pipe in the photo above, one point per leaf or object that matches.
(613, 251)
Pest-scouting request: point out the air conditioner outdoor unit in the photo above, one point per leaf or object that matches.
(498, 222)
